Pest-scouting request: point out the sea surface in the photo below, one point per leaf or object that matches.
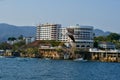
(41, 69)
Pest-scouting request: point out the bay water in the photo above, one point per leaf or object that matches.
(41, 69)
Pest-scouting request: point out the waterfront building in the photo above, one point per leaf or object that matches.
(29, 40)
(63, 37)
(82, 36)
(47, 31)
(12, 42)
(47, 51)
(105, 55)
(2, 52)
(106, 45)
(8, 52)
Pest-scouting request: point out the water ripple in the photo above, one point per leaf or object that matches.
(38, 69)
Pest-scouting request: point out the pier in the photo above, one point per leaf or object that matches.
(105, 55)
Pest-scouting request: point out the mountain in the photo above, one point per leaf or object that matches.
(7, 30)
(99, 32)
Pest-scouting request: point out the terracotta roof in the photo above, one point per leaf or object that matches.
(37, 43)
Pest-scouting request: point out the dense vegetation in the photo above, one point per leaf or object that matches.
(32, 48)
(113, 37)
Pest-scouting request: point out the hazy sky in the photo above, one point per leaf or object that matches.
(102, 14)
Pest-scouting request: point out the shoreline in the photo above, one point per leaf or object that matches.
(58, 59)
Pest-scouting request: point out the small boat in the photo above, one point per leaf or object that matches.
(79, 59)
(2, 57)
(47, 58)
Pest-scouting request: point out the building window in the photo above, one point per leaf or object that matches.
(77, 46)
(83, 46)
(88, 46)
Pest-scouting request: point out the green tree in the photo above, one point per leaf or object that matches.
(11, 38)
(100, 38)
(113, 36)
(96, 44)
(32, 50)
(18, 45)
(5, 46)
(20, 37)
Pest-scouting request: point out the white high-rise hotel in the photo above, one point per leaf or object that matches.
(81, 35)
(47, 31)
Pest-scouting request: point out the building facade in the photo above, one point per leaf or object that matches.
(63, 37)
(29, 40)
(82, 36)
(106, 45)
(47, 31)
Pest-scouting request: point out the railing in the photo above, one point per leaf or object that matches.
(109, 51)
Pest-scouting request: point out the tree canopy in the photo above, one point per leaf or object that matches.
(11, 38)
(113, 37)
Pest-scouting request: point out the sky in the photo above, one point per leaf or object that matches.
(102, 14)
